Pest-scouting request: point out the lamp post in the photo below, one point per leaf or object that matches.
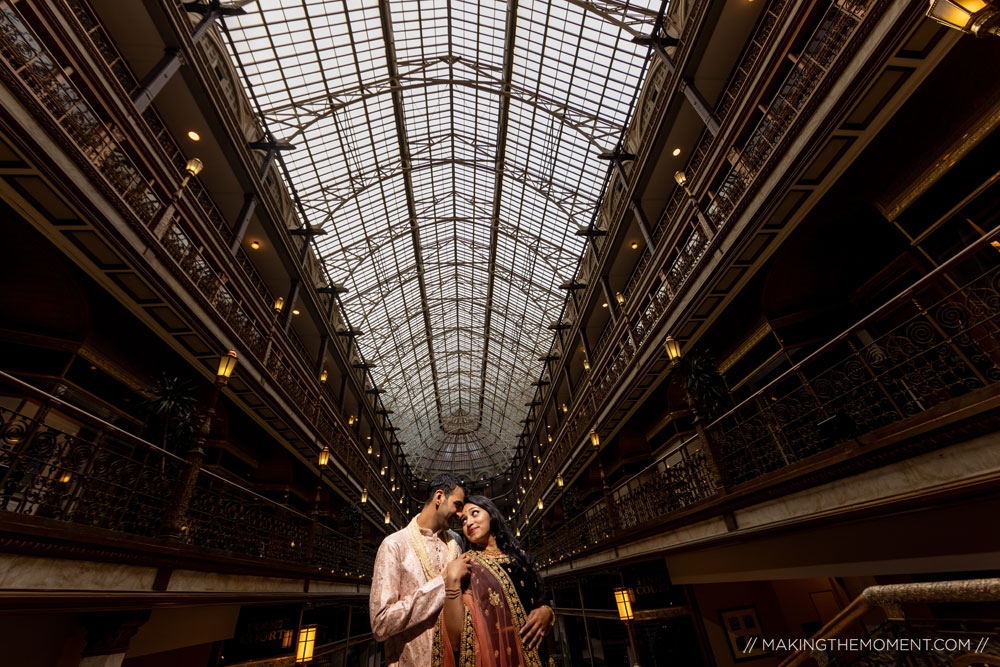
(173, 525)
(193, 167)
(973, 17)
(624, 598)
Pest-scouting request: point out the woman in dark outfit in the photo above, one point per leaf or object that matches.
(496, 617)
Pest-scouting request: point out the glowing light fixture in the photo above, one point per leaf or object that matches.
(324, 457)
(296, 311)
(279, 304)
(364, 495)
(255, 245)
(973, 17)
(540, 503)
(306, 643)
(194, 166)
(635, 245)
(565, 408)
(681, 178)
(620, 298)
(323, 376)
(559, 480)
(194, 136)
(387, 516)
(676, 152)
(351, 420)
(673, 348)
(586, 364)
(227, 363)
(624, 598)
(595, 439)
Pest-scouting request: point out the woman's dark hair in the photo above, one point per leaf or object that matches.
(506, 541)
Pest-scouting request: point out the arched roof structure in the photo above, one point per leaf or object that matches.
(450, 150)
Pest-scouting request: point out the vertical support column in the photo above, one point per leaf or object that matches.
(243, 222)
(293, 294)
(609, 297)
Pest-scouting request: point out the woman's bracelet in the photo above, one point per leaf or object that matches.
(452, 593)
(552, 615)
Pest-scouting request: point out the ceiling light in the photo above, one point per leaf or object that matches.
(255, 245)
(676, 152)
(194, 136)
(296, 311)
(635, 245)
(604, 305)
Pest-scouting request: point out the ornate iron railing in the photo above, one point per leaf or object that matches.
(936, 341)
(615, 353)
(25, 61)
(60, 462)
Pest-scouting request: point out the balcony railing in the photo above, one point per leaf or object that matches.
(689, 237)
(903, 638)
(60, 463)
(26, 63)
(931, 344)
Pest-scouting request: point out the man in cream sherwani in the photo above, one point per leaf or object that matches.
(407, 592)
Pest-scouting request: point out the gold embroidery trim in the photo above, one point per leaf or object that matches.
(467, 652)
(492, 563)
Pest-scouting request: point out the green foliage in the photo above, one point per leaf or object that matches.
(706, 388)
(571, 505)
(350, 516)
(170, 405)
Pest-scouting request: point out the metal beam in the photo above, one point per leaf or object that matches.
(385, 17)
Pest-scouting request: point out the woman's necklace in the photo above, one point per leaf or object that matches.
(417, 540)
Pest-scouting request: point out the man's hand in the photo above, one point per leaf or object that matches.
(536, 626)
(456, 571)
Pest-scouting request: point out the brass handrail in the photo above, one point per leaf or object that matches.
(890, 597)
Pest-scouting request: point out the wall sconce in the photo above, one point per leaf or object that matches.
(559, 480)
(681, 178)
(973, 17)
(540, 503)
(673, 348)
(383, 471)
(595, 439)
(65, 477)
(323, 376)
(306, 643)
(227, 363)
(364, 495)
(586, 364)
(549, 437)
(565, 408)
(279, 304)
(351, 420)
(387, 516)
(620, 298)
(324, 457)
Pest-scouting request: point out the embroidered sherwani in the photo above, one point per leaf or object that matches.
(404, 603)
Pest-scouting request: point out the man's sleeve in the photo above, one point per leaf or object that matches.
(392, 613)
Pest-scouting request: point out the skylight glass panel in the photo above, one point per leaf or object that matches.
(326, 80)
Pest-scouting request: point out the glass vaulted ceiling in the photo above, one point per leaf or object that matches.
(450, 203)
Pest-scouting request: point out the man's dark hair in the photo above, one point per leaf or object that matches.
(444, 482)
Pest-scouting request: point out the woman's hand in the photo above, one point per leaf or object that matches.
(456, 571)
(536, 626)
